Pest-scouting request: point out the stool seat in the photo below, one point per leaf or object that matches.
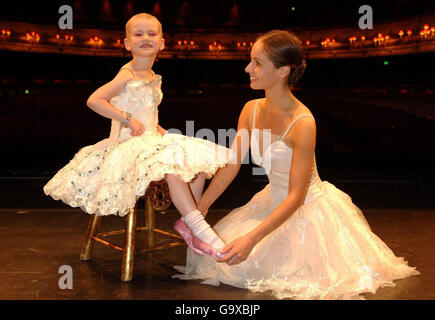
(156, 198)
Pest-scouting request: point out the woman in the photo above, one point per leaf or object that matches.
(300, 237)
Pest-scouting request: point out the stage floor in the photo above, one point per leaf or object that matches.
(37, 242)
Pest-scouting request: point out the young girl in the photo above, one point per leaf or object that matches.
(300, 236)
(108, 177)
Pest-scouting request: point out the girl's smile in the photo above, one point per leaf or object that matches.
(144, 37)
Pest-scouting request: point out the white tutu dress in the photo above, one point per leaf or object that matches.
(109, 176)
(325, 250)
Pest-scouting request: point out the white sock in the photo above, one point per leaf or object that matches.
(201, 229)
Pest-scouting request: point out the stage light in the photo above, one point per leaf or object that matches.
(215, 47)
(6, 34)
(33, 37)
(425, 33)
(118, 43)
(157, 11)
(185, 45)
(386, 62)
(26, 91)
(95, 42)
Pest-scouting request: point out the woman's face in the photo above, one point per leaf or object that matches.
(261, 70)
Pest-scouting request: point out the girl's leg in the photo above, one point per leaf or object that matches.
(197, 186)
(183, 200)
(180, 195)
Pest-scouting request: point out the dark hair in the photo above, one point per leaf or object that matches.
(284, 49)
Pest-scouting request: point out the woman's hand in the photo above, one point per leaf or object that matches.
(238, 250)
(136, 127)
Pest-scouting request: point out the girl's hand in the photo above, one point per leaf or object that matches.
(136, 127)
(238, 250)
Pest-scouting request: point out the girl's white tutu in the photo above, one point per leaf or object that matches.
(108, 177)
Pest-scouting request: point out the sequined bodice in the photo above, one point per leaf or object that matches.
(141, 98)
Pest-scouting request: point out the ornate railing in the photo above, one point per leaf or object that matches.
(400, 37)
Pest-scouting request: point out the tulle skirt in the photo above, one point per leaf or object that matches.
(325, 250)
(107, 178)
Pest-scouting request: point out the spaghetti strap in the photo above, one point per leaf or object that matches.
(293, 122)
(254, 114)
(125, 68)
(132, 72)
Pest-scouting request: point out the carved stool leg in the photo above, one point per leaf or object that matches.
(129, 246)
(150, 221)
(91, 231)
(150, 217)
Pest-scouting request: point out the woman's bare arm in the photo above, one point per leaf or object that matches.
(303, 141)
(226, 175)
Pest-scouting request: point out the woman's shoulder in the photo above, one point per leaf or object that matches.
(247, 112)
(303, 125)
(305, 113)
(250, 105)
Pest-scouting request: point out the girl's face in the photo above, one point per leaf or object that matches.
(144, 38)
(262, 72)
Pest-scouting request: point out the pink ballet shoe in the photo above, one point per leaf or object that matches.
(186, 234)
(207, 247)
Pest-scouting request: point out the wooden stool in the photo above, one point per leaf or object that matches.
(156, 198)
